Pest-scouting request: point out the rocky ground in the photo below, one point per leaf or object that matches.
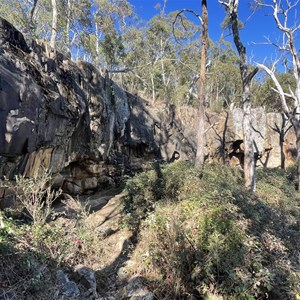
(172, 235)
(105, 220)
(89, 274)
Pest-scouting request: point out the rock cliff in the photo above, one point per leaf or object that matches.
(65, 116)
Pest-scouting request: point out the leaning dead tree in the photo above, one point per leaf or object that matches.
(246, 75)
(201, 80)
(281, 11)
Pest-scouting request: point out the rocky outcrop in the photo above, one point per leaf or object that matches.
(274, 137)
(65, 116)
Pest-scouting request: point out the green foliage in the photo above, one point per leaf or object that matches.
(278, 185)
(143, 192)
(226, 24)
(165, 64)
(224, 85)
(206, 234)
(6, 228)
(109, 22)
(265, 95)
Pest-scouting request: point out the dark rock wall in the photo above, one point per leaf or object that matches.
(64, 116)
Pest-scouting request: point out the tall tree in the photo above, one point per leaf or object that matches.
(75, 26)
(201, 141)
(163, 65)
(247, 76)
(54, 24)
(224, 85)
(110, 23)
(201, 80)
(281, 11)
(22, 14)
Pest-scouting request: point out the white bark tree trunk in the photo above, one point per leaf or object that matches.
(246, 75)
(293, 113)
(68, 40)
(54, 24)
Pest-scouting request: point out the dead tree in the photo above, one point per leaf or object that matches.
(200, 139)
(247, 76)
(288, 46)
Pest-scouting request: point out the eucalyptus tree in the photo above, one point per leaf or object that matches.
(246, 76)
(54, 24)
(160, 50)
(265, 91)
(224, 85)
(109, 24)
(201, 140)
(162, 66)
(30, 17)
(282, 12)
(75, 22)
(47, 20)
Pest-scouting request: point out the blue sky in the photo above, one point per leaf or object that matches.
(258, 26)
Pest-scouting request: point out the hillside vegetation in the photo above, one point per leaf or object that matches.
(206, 235)
(191, 235)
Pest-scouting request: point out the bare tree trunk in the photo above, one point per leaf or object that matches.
(281, 12)
(33, 11)
(201, 141)
(162, 61)
(54, 24)
(249, 161)
(298, 155)
(68, 42)
(97, 42)
(282, 154)
(153, 88)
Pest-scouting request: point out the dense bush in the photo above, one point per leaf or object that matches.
(205, 234)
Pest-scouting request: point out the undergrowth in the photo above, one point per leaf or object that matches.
(199, 235)
(34, 247)
(204, 234)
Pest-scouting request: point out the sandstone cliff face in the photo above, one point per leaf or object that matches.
(274, 137)
(64, 116)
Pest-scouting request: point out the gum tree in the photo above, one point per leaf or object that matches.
(290, 99)
(201, 140)
(246, 75)
(201, 82)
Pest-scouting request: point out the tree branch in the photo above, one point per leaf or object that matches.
(179, 16)
(279, 90)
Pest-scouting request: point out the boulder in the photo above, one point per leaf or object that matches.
(66, 286)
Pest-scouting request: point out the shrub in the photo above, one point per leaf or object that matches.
(205, 234)
(37, 196)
